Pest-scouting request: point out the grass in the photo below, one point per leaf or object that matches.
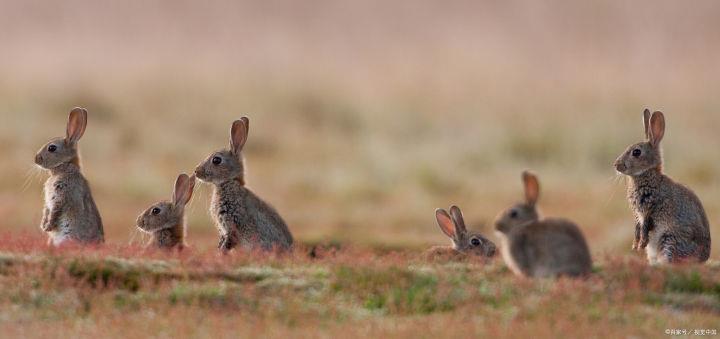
(366, 116)
(358, 292)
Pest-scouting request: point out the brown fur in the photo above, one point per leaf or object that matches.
(165, 220)
(464, 243)
(443, 254)
(70, 213)
(671, 224)
(169, 238)
(535, 247)
(242, 218)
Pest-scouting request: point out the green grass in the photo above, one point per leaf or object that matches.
(366, 116)
(353, 292)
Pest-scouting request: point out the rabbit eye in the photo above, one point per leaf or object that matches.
(475, 242)
(636, 152)
(155, 211)
(513, 214)
(52, 148)
(216, 160)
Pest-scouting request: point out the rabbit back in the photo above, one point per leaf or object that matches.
(550, 247)
(443, 254)
(240, 213)
(680, 230)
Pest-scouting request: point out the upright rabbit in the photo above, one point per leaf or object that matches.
(540, 247)
(671, 221)
(242, 218)
(165, 220)
(70, 213)
(463, 242)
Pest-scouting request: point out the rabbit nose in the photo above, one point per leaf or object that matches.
(620, 166)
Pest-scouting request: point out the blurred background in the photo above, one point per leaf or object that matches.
(365, 115)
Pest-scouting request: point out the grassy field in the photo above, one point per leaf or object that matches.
(365, 117)
(122, 292)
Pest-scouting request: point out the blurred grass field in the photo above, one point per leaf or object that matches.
(365, 117)
(120, 292)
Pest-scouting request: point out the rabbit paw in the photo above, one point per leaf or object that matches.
(226, 243)
(46, 227)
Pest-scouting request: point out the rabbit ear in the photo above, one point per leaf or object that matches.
(532, 187)
(646, 123)
(445, 222)
(239, 134)
(458, 220)
(76, 125)
(657, 128)
(183, 189)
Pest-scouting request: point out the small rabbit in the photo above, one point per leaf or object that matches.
(165, 220)
(70, 213)
(535, 247)
(671, 221)
(464, 243)
(242, 218)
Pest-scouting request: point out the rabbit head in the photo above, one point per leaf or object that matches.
(64, 150)
(227, 164)
(522, 213)
(645, 155)
(453, 225)
(168, 214)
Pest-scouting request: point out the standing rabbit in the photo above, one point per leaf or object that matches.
(671, 221)
(165, 220)
(540, 247)
(242, 218)
(463, 242)
(70, 213)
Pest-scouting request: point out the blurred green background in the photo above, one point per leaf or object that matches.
(365, 115)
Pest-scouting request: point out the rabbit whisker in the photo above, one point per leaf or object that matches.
(133, 235)
(31, 175)
(614, 180)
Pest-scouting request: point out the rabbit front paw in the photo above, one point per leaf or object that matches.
(47, 226)
(222, 244)
(227, 242)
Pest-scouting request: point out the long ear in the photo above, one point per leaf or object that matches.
(445, 222)
(532, 187)
(183, 189)
(657, 128)
(76, 125)
(459, 221)
(239, 134)
(646, 123)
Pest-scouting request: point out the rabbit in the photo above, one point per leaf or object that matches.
(671, 224)
(165, 220)
(70, 213)
(242, 218)
(463, 243)
(540, 247)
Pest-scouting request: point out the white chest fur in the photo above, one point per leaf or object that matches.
(507, 255)
(60, 234)
(49, 191)
(653, 248)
